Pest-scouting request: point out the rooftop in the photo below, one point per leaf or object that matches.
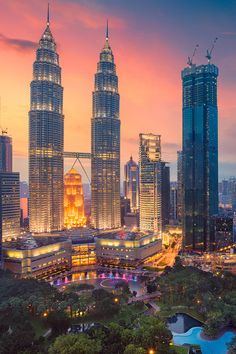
(31, 242)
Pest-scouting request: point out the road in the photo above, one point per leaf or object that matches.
(167, 258)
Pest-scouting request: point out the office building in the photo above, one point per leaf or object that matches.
(105, 174)
(73, 200)
(179, 186)
(9, 205)
(131, 184)
(165, 194)
(173, 201)
(46, 139)
(5, 153)
(200, 153)
(150, 167)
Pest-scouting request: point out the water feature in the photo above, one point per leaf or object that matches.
(193, 336)
(187, 330)
(181, 323)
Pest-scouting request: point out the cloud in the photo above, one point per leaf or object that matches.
(228, 33)
(17, 43)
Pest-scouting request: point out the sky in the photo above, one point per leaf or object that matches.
(151, 41)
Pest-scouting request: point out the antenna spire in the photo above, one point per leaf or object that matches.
(107, 32)
(48, 16)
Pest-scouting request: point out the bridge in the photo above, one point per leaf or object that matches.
(145, 297)
(77, 155)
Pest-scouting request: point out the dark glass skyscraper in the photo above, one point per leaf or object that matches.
(200, 153)
(131, 184)
(46, 139)
(105, 176)
(165, 194)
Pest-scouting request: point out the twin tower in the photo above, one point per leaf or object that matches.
(46, 141)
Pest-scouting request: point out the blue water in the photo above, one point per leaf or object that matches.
(192, 336)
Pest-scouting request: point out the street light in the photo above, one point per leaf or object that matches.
(151, 351)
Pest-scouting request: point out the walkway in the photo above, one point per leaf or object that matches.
(145, 297)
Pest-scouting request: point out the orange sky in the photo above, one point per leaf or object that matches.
(148, 67)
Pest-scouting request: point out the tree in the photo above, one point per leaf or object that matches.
(152, 333)
(75, 344)
(213, 324)
(232, 346)
(151, 287)
(22, 338)
(58, 321)
(132, 349)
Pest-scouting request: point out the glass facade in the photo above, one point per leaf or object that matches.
(5, 153)
(9, 205)
(131, 184)
(46, 139)
(200, 153)
(165, 194)
(179, 186)
(150, 166)
(105, 176)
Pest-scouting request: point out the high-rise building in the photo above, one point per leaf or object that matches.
(9, 205)
(46, 135)
(150, 182)
(173, 201)
(105, 174)
(165, 194)
(179, 186)
(5, 153)
(73, 200)
(131, 184)
(200, 153)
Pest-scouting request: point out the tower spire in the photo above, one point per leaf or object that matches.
(107, 32)
(48, 16)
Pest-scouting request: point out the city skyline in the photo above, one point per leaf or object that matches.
(88, 19)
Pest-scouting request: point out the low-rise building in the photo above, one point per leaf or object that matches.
(83, 252)
(38, 257)
(126, 250)
(221, 231)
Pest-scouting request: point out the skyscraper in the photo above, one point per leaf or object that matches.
(179, 186)
(9, 194)
(105, 176)
(165, 194)
(5, 153)
(200, 153)
(9, 205)
(73, 200)
(150, 182)
(173, 201)
(131, 184)
(46, 135)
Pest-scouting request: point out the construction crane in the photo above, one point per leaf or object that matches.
(190, 60)
(209, 52)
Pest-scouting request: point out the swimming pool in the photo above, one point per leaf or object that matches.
(192, 336)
